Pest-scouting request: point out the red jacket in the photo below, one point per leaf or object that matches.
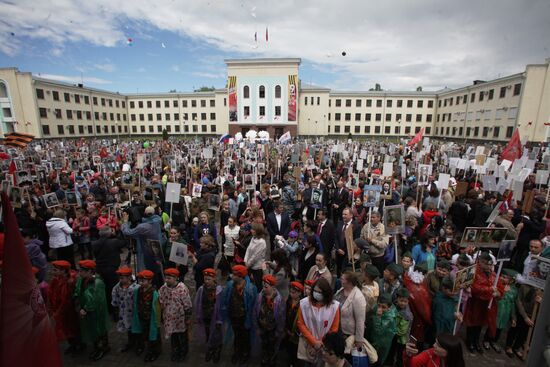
(420, 304)
(427, 216)
(61, 306)
(425, 359)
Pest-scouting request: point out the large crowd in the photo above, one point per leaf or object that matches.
(326, 253)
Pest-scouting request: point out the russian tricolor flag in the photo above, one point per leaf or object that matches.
(224, 139)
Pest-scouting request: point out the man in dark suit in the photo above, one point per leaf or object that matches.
(325, 231)
(278, 223)
(340, 200)
(340, 244)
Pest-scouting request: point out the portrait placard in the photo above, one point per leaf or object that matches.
(394, 219)
(173, 190)
(464, 278)
(179, 254)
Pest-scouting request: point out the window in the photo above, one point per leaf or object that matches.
(430, 104)
(417, 130)
(368, 117)
(329, 102)
(142, 129)
(472, 98)
(195, 128)
(203, 128)
(388, 116)
(177, 128)
(398, 117)
(203, 116)
(184, 104)
(3, 90)
(451, 101)
(407, 130)
(212, 116)
(60, 129)
(429, 130)
(103, 102)
(377, 129)
(123, 104)
(311, 99)
(225, 102)
(67, 97)
(149, 104)
(42, 110)
(337, 117)
(151, 129)
(476, 131)
(186, 128)
(481, 96)
(159, 116)
(40, 93)
(261, 92)
(277, 110)
(419, 103)
(357, 103)
(348, 116)
(141, 117)
(246, 92)
(76, 98)
(502, 92)
(460, 131)
(367, 129)
(509, 131)
(96, 116)
(58, 113)
(71, 129)
(369, 102)
(159, 128)
(176, 117)
(45, 130)
(247, 110)
(194, 116)
(117, 103)
(166, 103)
(409, 103)
(399, 103)
(491, 94)
(465, 99)
(429, 117)
(169, 128)
(438, 117)
(387, 130)
(389, 103)
(357, 117)
(167, 116)
(277, 91)
(485, 131)
(439, 104)
(212, 103)
(134, 129)
(496, 131)
(418, 117)
(348, 102)
(397, 130)
(262, 110)
(104, 116)
(213, 128)
(132, 104)
(347, 129)
(512, 112)
(378, 103)
(305, 101)
(175, 103)
(338, 103)
(149, 117)
(408, 117)
(194, 103)
(378, 117)
(329, 116)
(79, 115)
(457, 99)
(98, 129)
(112, 116)
(110, 102)
(337, 129)
(517, 89)
(86, 99)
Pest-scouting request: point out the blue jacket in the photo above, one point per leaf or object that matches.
(250, 294)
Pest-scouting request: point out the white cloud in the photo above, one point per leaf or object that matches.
(175, 68)
(75, 79)
(209, 75)
(399, 44)
(107, 67)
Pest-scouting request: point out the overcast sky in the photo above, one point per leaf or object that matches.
(180, 45)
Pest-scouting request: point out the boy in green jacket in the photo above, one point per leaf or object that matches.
(444, 308)
(381, 327)
(403, 320)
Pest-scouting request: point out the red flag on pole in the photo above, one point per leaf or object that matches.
(266, 35)
(27, 337)
(416, 138)
(514, 149)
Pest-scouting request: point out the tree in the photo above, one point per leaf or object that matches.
(205, 89)
(419, 89)
(172, 91)
(164, 134)
(377, 88)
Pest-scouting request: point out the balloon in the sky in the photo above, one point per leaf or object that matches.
(146, 145)
(130, 42)
(343, 53)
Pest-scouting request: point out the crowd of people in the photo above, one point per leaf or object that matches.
(278, 250)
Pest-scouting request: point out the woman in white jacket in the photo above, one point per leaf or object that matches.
(254, 257)
(60, 236)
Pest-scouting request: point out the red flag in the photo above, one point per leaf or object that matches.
(103, 153)
(416, 138)
(514, 149)
(266, 35)
(27, 337)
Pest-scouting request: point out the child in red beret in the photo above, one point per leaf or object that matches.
(146, 317)
(122, 299)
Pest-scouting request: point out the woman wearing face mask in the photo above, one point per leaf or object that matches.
(446, 351)
(318, 315)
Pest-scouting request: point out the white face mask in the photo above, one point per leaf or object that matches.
(318, 296)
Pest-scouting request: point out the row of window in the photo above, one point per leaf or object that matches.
(379, 103)
(490, 94)
(501, 113)
(175, 103)
(475, 130)
(261, 111)
(167, 116)
(261, 92)
(81, 115)
(177, 129)
(77, 98)
(378, 129)
(81, 129)
(378, 117)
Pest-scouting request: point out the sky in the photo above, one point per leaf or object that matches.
(142, 46)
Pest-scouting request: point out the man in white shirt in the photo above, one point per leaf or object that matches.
(278, 223)
(535, 249)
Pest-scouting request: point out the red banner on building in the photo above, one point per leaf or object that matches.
(232, 86)
(292, 96)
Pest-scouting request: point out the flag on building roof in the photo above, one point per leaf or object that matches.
(266, 35)
(285, 138)
(224, 139)
(18, 140)
(514, 148)
(27, 337)
(416, 138)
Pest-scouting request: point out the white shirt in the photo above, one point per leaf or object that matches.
(529, 265)
(278, 217)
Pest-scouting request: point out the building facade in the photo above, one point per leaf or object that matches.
(266, 94)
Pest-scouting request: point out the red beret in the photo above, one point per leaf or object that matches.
(35, 270)
(240, 270)
(146, 274)
(297, 285)
(209, 272)
(376, 171)
(172, 272)
(62, 264)
(309, 282)
(269, 279)
(87, 264)
(126, 271)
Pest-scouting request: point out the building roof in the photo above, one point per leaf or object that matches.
(73, 85)
(383, 93)
(485, 84)
(229, 62)
(313, 88)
